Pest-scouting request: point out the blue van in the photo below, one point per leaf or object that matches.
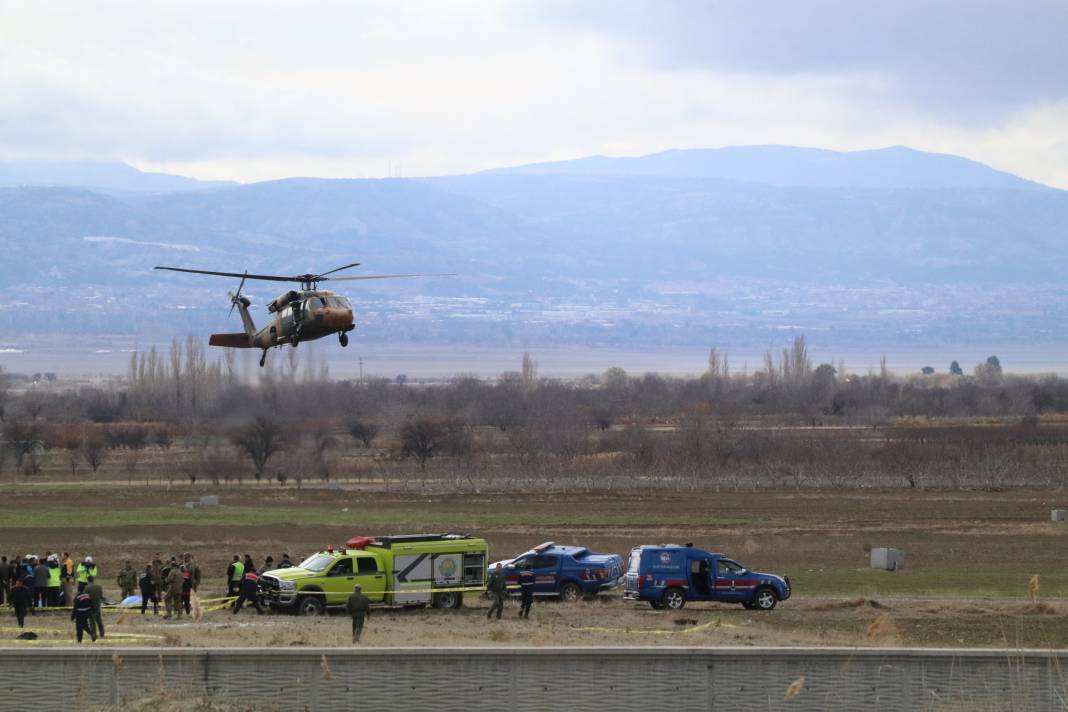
(669, 575)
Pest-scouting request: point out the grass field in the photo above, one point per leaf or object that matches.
(970, 555)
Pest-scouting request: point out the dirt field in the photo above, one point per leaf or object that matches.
(970, 557)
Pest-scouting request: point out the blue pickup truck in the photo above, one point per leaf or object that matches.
(668, 576)
(569, 572)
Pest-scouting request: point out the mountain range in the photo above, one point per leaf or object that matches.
(734, 245)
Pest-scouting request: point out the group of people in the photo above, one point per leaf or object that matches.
(30, 583)
(497, 590)
(174, 583)
(242, 579)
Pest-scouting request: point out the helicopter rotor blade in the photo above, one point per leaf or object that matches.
(391, 276)
(235, 297)
(245, 275)
(354, 264)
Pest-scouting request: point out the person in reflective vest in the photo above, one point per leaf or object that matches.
(85, 569)
(234, 573)
(54, 581)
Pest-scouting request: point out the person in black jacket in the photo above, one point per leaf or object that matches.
(250, 586)
(21, 601)
(5, 579)
(81, 613)
(526, 591)
(147, 584)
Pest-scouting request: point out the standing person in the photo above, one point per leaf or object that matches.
(81, 613)
(268, 563)
(147, 584)
(5, 580)
(250, 591)
(67, 576)
(497, 588)
(95, 592)
(127, 580)
(359, 607)
(85, 569)
(235, 572)
(194, 569)
(21, 601)
(285, 563)
(249, 564)
(41, 576)
(187, 583)
(526, 591)
(173, 599)
(157, 581)
(55, 579)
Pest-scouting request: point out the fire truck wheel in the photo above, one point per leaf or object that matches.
(674, 599)
(447, 601)
(310, 606)
(764, 599)
(570, 592)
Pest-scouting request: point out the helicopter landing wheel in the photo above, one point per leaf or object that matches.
(263, 359)
(343, 338)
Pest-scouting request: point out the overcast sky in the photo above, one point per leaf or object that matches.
(252, 91)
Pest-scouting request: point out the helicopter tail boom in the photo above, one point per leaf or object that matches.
(231, 341)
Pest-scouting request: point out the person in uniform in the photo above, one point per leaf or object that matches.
(359, 607)
(497, 588)
(526, 591)
(21, 601)
(173, 600)
(127, 580)
(96, 597)
(250, 592)
(5, 580)
(81, 613)
(55, 579)
(235, 573)
(147, 584)
(85, 569)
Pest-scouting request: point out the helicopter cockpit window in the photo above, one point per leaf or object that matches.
(337, 302)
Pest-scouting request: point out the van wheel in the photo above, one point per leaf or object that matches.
(674, 599)
(310, 606)
(764, 599)
(447, 601)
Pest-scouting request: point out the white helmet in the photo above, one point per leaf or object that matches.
(88, 559)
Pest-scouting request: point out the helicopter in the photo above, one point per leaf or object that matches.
(303, 314)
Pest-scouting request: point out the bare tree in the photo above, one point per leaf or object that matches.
(421, 438)
(260, 439)
(363, 430)
(93, 447)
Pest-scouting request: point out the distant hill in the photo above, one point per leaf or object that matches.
(789, 166)
(564, 255)
(113, 177)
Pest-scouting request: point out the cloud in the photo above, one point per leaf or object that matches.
(972, 59)
(264, 90)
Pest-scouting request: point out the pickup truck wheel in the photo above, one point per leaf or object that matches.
(764, 599)
(570, 592)
(658, 605)
(674, 599)
(447, 601)
(310, 606)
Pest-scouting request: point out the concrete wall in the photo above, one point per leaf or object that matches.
(545, 679)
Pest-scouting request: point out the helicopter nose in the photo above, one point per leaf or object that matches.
(338, 318)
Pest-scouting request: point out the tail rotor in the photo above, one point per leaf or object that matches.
(235, 298)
